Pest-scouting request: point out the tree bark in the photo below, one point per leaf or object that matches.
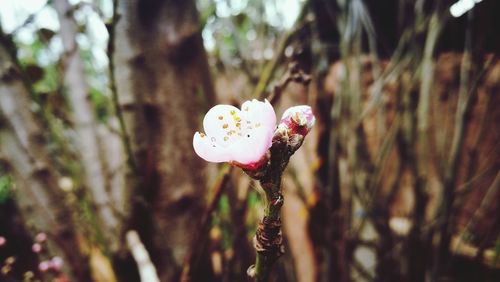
(162, 80)
(22, 147)
(85, 126)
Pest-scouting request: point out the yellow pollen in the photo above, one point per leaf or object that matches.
(226, 138)
(233, 112)
(238, 119)
(202, 135)
(225, 125)
(221, 117)
(238, 124)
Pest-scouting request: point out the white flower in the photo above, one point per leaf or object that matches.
(237, 136)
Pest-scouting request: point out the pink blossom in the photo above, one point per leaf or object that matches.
(2, 241)
(237, 136)
(298, 120)
(36, 248)
(41, 237)
(44, 266)
(56, 263)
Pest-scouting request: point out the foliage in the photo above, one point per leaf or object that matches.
(5, 188)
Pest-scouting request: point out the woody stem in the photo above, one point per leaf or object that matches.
(268, 239)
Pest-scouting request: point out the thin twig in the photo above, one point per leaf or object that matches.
(268, 241)
(114, 92)
(270, 68)
(294, 73)
(451, 170)
(488, 197)
(362, 270)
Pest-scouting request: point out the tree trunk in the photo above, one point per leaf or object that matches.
(162, 80)
(22, 147)
(85, 126)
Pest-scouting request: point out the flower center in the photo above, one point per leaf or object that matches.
(235, 125)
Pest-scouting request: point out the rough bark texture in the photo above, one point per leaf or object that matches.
(162, 80)
(85, 126)
(22, 147)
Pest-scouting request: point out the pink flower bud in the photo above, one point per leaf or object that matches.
(241, 137)
(36, 248)
(44, 266)
(298, 120)
(56, 263)
(41, 237)
(3, 241)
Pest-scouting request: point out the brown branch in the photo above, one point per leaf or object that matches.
(270, 67)
(293, 74)
(268, 241)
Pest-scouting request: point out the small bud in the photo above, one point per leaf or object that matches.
(3, 241)
(36, 248)
(41, 237)
(281, 133)
(298, 120)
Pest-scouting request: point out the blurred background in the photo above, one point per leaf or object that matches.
(99, 100)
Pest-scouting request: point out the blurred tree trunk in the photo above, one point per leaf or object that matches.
(22, 147)
(162, 80)
(85, 125)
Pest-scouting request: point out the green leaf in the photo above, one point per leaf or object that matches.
(5, 188)
(224, 205)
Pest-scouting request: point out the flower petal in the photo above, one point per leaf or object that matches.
(299, 115)
(251, 147)
(208, 150)
(219, 121)
(260, 112)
